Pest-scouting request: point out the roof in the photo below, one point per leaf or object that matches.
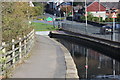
(110, 5)
(66, 3)
(95, 7)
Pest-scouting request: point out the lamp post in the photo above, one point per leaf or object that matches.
(72, 11)
(113, 35)
(99, 11)
(86, 15)
(54, 20)
(66, 12)
(53, 16)
(113, 39)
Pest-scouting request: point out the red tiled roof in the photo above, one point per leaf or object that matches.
(95, 7)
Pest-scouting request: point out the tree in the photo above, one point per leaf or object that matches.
(15, 20)
(67, 9)
(39, 8)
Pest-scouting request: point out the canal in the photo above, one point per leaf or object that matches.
(92, 64)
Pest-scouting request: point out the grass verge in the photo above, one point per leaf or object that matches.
(43, 27)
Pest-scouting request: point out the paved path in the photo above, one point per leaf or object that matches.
(47, 61)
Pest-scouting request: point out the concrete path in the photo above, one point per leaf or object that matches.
(47, 61)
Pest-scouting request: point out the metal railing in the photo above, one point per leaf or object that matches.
(17, 52)
(91, 30)
(93, 37)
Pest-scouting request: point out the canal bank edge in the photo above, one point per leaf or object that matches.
(71, 70)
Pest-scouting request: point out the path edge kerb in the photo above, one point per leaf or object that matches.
(71, 70)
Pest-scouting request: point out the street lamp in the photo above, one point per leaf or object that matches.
(54, 20)
(53, 15)
(99, 11)
(72, 11)
(113, 39)
(113, 33)
(66, 11)
(86, 15)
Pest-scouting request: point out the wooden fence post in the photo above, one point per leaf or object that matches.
(25, 46)
(33, 39)
(20, 50)
(4, 61)
(28, 43)
(13, 47)
(3, 50)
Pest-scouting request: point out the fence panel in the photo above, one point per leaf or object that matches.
(19, 50)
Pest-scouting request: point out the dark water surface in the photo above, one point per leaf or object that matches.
(91, 64)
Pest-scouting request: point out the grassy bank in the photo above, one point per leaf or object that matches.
(43, 27)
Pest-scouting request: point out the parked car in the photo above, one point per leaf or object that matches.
(117, 26)
(106, 29)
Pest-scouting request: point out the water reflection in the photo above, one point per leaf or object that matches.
(90, 63)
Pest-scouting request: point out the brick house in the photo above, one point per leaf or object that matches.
(97, 9)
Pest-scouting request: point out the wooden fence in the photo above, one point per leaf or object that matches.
(14, 53)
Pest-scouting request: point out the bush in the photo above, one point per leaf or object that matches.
(15, 20)
(95, 19)
(82, 18)
(90, 17)
(108, 19)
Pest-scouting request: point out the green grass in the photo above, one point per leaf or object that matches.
(43, 27)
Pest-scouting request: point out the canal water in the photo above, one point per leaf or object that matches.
(92, 64)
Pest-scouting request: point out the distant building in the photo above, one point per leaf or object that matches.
(97, 9)
(58, 8)
(103, 9)
(111, 7)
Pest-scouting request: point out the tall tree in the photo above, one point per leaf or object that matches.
(15, 20)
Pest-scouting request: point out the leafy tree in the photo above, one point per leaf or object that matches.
(15, 20)
(39, 8)
(108, 19)
(67, 9)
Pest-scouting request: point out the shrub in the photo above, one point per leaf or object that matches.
(95, 19)
(108, 19)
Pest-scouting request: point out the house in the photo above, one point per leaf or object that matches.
(96, 9)
(58, 7)
(66, 7)
(111, 7)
